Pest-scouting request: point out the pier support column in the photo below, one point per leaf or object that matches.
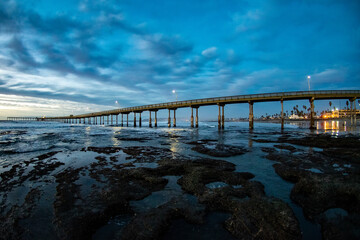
(174, 118)
(282, 114)
(117, 119)
(354, 112)
(251, 115)
(312, 114)
(223, 117)
(134, 119)
(169, 120)
(103, 120)
(192, 118)
(112, 122)
(150, 123)
(197, 118)
(219, 117)
(107, 119)
(155, 125)
(140, 120)
(127, 119)
(122, 120)
(96, 120)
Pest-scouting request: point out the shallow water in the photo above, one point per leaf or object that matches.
(21, 141)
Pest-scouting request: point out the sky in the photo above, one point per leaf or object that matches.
(77, 56)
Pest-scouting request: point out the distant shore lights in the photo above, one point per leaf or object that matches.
(308, 78)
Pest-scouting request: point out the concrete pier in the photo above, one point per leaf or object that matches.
(174, 118)
(354, 112)
(221, 117)
(169, 120)
(134, 119)
(122, 120)
(312, 114)
(251, 115)
(197, 118)
(352, 95)
(192, 118)
(140, 119)
(127, 119)
(150, 123)
(117, 119)
(282, 114)
(155, 124)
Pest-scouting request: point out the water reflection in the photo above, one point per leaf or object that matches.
(331, 126)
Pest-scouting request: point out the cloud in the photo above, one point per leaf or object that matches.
(102, 51)
(210, 52)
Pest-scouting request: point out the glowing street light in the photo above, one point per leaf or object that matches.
(308, 78)
(173, 91)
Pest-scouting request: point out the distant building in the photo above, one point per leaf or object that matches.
(342, 113)
(295, 116)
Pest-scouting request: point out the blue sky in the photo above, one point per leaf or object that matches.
(69, 57)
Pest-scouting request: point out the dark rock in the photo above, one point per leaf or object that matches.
(263, 218)
(287, 147)
(132, 139)
(268, 150)
(219, 150)
(316, 193)
(106, 150)
(325, 141)
(341, 227)
(153, 224)
(9, 223)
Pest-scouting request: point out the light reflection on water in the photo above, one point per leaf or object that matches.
(329, 126)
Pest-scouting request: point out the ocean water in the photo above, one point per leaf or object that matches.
(21, 141)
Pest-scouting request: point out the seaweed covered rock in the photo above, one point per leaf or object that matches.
(219, 150)
(317, 193)
(263, 218)
(152, 224)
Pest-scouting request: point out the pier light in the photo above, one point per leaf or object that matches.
(173, 91)
(308, 78)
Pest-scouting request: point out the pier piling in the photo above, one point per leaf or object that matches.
(251, 115)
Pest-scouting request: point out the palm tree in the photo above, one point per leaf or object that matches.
(330, 103)
(347, 104)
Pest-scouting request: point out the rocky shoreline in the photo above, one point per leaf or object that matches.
(76, 201)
